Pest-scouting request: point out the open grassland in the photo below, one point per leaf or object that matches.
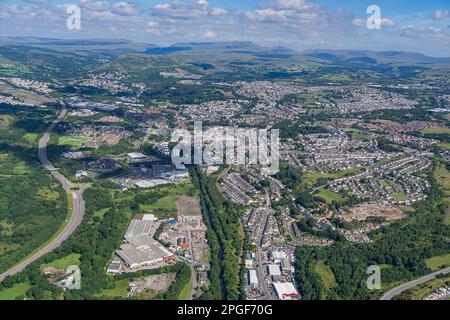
(442, 176)
(75, 142)
(22, 168)
(356, 134)
(65, 262)
(31, 138)
(436, 130)
(184, 294)
(15, 70)
(120, 289)
(101, 213)
(438, 262)
(311, 178)
(15, 291)
(329, 196)
(325, 274)
(444, 145)
(167, 203)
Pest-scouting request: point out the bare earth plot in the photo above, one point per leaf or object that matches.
(363, 211)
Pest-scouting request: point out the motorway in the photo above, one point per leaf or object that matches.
(77, 197)
(408, 285)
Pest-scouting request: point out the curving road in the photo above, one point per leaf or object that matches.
(408, 285)
(77, 197)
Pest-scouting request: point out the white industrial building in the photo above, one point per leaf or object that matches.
(134, 156)
(277, 255)
(252, 277)
(141, 250)
(274, 270)
(285, 290)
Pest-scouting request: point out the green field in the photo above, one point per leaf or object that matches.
(120, 290)
(329, 196)
(167, 203)
(326, 274)
(48, 194)
(399, 196)
(21, 168)
(101, 213)
(184, 294)
(14, 70)
(311, 177)
(444, 146)
(438, 262)
(15, 291)
(72, 141)
(31, 138)
(442, 176)
(436, 130)
(357, 135)
(65, 262)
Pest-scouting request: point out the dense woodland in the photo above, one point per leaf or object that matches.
(32, 204)
(224, 236)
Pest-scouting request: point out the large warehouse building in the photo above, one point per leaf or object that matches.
(285, 290)
(141, 250)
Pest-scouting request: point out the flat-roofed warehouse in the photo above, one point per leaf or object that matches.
(252, 277)
(141, 250)
(138, 228)
(285, 290)
(274, 270)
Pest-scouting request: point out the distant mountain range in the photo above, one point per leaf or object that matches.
(111, 48)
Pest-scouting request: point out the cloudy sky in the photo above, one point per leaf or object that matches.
(408, 25)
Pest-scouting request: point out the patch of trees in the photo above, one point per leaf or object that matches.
(288, 175)
(385, 145)
(308, 225)
(224, 237)
(28, 218)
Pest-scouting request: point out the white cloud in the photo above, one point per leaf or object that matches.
(359, 22)
(426, 33)
(209, 35)
(363, 23)
(124, 9)
(218, 12)
(440, 14)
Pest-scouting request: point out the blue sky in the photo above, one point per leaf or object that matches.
(414, 25)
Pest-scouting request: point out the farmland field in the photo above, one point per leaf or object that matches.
(72, 141)
(436, 130)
